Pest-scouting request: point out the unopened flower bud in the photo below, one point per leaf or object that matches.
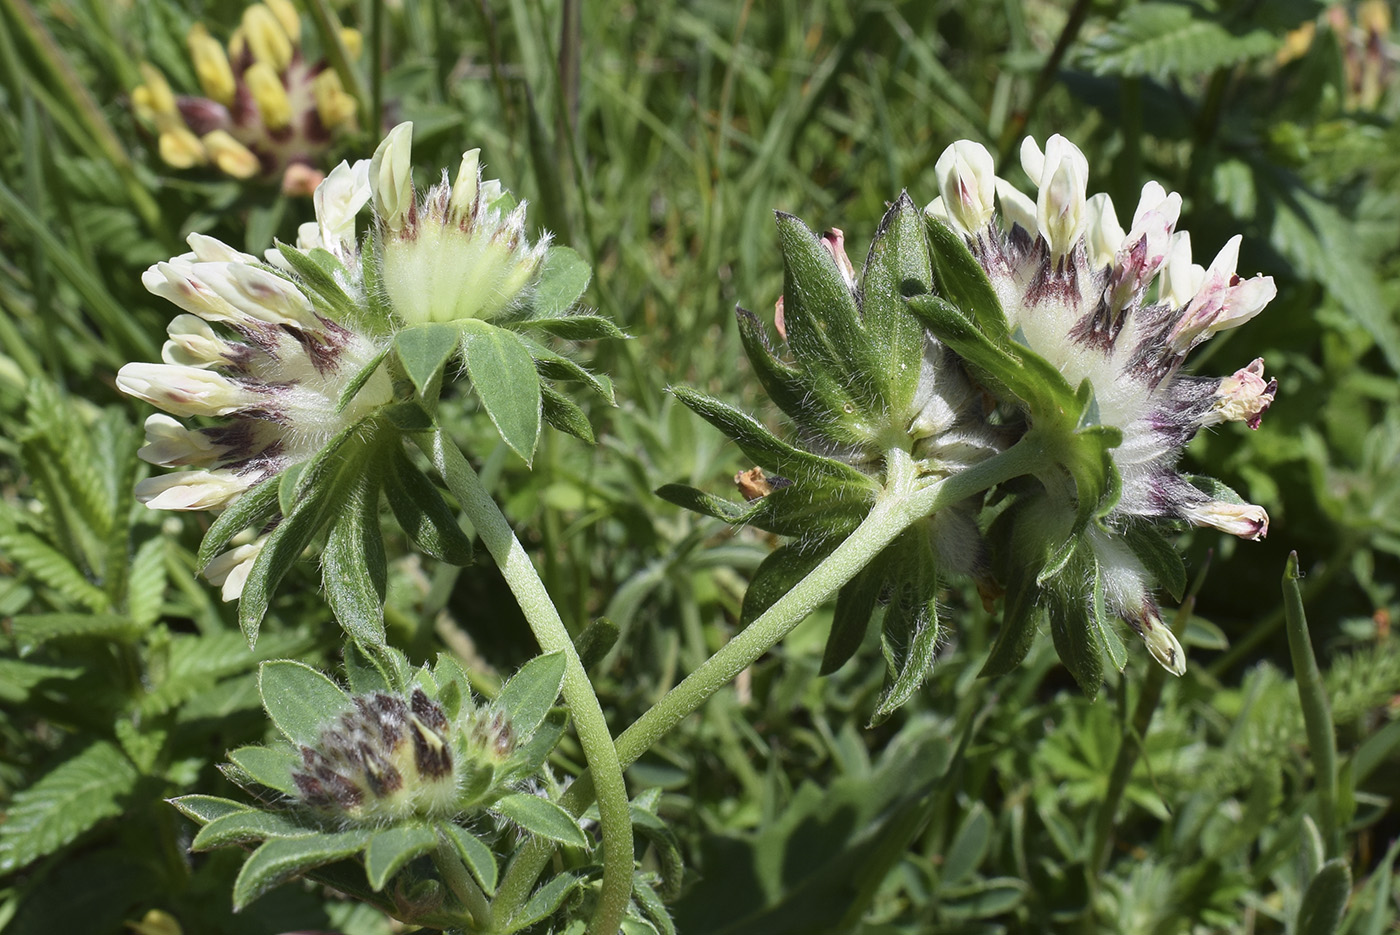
(386, 758)
(287, 18)
(353, 41)
(153, 99)
(1161, 642)
(181, 149)
(967, 182)
(230, 156)
(266, 37)
(462, 204)
(269, 94)
(1245, 396)
(333, 105)
(211, 65)
(391, 176)
(1238, 519)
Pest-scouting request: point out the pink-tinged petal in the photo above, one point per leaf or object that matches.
(190, 490)
(1244, 396)
(967, 182)
(835, 242)
(1223, 301)
(1238, 519)
(184, 391)
(1147, 246)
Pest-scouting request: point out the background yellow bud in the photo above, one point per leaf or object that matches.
(210, 64)
(352, 40)
(154, 99)
(231, 156)
(334, 106)
(266, 38)
(181, 149)
(286, 14)
(269, 94)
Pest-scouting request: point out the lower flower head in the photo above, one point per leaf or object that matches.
(387, 758)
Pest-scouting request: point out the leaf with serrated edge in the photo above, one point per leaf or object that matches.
(298, 699)
(66, 801)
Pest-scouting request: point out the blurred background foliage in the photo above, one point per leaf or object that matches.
(656, 139)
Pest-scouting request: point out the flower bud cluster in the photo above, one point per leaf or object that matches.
(265, 111)
(386, 758)
(459, 253)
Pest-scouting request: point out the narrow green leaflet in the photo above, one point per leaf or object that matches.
(253, 508)
(65, 802)
(542, 817)
(474, 853)
(145, 587)
(298, 699)
(267, 766)
(241, 827)
(962, 281)
(546, 900)
(422, 512)
(353, 565)
(1325, 899)
(503, 374)
(565, 415)
(855, 603)
(205, 808)
(283, 858)
(391, 848)
(775, 576)
(532, 691)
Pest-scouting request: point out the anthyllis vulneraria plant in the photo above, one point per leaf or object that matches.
(1078, 330)
(265, 110)
(317, 361)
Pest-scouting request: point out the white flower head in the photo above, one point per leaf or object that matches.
(1122, 310)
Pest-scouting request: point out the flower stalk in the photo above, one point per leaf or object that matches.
(598, 748)
(903, 502)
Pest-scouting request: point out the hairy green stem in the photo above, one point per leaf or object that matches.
(460, 882)
(614, 814)
(903, 501)
(1317, 713)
